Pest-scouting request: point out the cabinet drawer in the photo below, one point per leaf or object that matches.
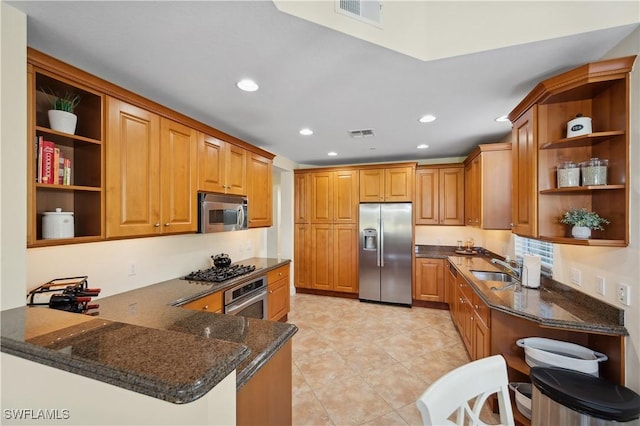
(210, 303)
(278, 274)
(482, 310)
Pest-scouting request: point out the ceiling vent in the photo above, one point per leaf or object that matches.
(364, 133)
(368, 11)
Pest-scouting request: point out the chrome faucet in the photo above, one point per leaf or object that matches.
(516, 270)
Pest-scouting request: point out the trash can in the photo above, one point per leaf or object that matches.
(568, 397)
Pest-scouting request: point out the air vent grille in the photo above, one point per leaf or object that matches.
(363, 133)
(369, 11)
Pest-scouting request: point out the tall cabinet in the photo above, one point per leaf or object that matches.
(598, 90)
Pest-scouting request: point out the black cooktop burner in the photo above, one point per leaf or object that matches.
(218, 275)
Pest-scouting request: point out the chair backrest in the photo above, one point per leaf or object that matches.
(451, 394)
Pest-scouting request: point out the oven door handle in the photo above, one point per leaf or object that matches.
(243, 303)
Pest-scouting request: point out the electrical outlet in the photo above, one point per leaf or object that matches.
(576, 276)
(624, 295)
(133, 268)
(601, 285)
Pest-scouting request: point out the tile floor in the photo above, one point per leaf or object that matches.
(360, 363)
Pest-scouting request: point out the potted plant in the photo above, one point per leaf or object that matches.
(61, 116)
(583, 221)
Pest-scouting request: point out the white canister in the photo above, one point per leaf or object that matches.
(579, 126)
(57, 224)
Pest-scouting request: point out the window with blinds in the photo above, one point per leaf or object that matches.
(541, 248)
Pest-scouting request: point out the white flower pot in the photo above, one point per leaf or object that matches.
(62, 121)
(581, 232)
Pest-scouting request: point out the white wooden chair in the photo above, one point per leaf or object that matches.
(471, 383)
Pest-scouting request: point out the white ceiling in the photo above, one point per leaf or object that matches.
(189, 55)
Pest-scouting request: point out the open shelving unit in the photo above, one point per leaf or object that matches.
(84, 196)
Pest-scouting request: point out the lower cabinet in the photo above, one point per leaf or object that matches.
(472, 318)
(335, 262)
(429, 280)
(278, 301)
(209, 303)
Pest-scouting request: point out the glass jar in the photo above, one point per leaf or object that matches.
(594, 172)
(568, 174)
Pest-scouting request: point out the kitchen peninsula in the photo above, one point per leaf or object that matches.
(143, 341)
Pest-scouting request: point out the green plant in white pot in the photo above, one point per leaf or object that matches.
(61, 116)
(583, 221)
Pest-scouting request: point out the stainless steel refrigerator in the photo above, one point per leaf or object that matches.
(385, 252)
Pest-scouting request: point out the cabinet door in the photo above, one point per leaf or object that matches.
(235, 170)
(345, 196)
(210, 163)
(259, 191)
(178, 156)
(427, 208)
(481, 340)
(302, 197)
(371, 185)
(429, 282)
(472, 192)
(449, 284)
(322, 197)
(398, 184)
(278, 301)
(322, 254)
(524, 205)
(345, 258)
(451, 196)
(133, 170)
(302, 256)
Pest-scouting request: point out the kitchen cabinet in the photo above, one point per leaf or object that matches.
(302, 197)
(83, 193)
(524, 187)
(302, 256)
(151, 173)
(279, 297)
(472, 318)
(599, 90)
(209, 303)
(222, 166)
(429, 280)
(334, 196)
(334, 265)
(488, 186)
(388, 184)
(259, 191)
(440, 195)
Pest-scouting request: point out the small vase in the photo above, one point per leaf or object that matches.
(581, 232)
(62, 121)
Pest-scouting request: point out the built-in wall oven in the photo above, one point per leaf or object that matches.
(248, 299)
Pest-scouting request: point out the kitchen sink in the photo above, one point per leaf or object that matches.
(493, 276)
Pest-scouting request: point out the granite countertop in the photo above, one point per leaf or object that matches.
(552, 305)
(142, 341)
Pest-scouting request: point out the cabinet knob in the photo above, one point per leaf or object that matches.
(476, 306)
(167, 224)
(471, 318)
(156, 225)
(205, 307)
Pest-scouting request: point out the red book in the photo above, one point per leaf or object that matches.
(48, 153)
(39, 159)
(56, 165)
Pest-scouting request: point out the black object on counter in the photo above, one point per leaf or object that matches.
(221, 260)
(587, 394)
(65, 294)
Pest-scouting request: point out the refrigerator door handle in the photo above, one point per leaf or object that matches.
(381, 245)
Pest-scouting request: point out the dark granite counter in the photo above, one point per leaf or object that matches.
(552, 305)
(143, 342)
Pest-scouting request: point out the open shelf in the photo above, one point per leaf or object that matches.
(61, 138)
(578, 189)
(582, 140)
(56, 187)
(589, 242)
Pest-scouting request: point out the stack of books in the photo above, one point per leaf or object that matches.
(51, 165)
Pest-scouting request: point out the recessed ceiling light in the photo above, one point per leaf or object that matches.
(247, 85)
(502, 119)
(332, 154)
(427, 118)
(306, 131)
(423, 146)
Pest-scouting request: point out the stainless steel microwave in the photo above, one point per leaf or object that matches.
(220, 213)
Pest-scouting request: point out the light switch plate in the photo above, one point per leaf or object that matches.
(624, 294)
(576, 276)
(601, 285)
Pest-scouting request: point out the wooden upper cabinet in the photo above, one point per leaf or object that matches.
(440, 195)
(524, 199)
(259, 191)
(133, 170)
(392, 184)
(322, 197)
(345, 196)
(222, 166)
(178, 166)
(488, 186)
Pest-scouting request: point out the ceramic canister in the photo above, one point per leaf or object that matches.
(579, 126)
(57, 224)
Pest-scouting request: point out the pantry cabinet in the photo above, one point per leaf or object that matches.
(222, 166)
(151, 173)
(598, 90)
(64, 170)
(429, 280)
(440, 195)
(302, 198)
(488, 186)
(388, 184)
(334, 262)
(259, 191)
(334, 196)
(278, 301)
(302, 256)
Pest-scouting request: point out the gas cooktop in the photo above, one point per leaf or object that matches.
(218, 275)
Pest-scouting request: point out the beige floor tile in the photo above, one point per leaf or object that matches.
(307, 410)
(396, 384)
(351, 401)
(322, 367)
(389, 419)
(410, 414)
